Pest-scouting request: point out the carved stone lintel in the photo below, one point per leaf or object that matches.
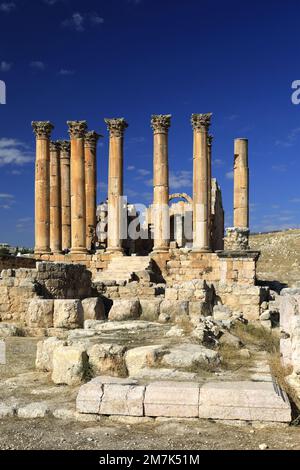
(54, 146)
(201, 122)
(91, 139)
(42, 129)
(160, 123)
(77, 129)
(209, 140)
(65, 146)
(116, 126)
(237, 238)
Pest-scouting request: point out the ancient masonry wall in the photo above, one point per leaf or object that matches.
(48, 280)
(16, 262)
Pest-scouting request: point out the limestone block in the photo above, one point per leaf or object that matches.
(173, 310)
(172, 399)
(221, 312)
(262, 401)
(90, 394)
(70, 364)
(107, 359)
(40, 313)
(7, 411)
(189, 355)
(9, 329)
(150, 309)
(289, 307)
(286, 351)
(139, 358)
(230, 340)
(125, 310)
(44, 353)
(187, 294)
(197, 309)
(33, 411)
(68, 314)
(93, 309)
(295, 341)
(171, 293)
(125, 400)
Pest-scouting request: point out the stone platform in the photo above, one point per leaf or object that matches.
(247, 401)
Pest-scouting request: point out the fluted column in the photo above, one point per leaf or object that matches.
(90, 143)
(209, 177)
(200, 124)
(65, 148)
(42, 130)
(77, 130)
(160, 210)
(241, 184)
(55, 198)
(116, 128)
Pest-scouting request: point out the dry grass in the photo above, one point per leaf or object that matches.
(257, 336)
(231, 358)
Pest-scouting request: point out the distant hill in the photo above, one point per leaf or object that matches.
(280, 256)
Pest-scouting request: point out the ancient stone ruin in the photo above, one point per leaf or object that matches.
(140, 308)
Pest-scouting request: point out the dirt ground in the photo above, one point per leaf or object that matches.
(56, 434)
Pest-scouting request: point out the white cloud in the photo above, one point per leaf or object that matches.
(6, 201)
(25, 224)
(217, 163)
(7, 7)
(295, 200)
(5, 66)
(66, 72)
(229, 175)
(131, 168)
(290, 139)
(280, 168)
(79, 22)
(180, 179)
(13, 152)
(37, 65)
(143, 172)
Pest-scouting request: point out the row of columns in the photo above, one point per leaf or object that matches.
(65, 189)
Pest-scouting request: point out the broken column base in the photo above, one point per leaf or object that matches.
(237, 239)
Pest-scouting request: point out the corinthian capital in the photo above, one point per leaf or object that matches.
(116, 126)
(77, 129)
(42, 129)
(65, 146)
(54, 146)
(160, 123)
(210, 140)
(91, 139)
(201, 121)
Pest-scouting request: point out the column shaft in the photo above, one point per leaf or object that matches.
(200, 123)
(55, 198)
(65, 194)
(91, 139)
(209, 183)
(116, 128)
(77, 131)
(160, 209)
(241, 184)
(42, 130)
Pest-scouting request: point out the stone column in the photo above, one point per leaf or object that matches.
(241, 184)
(55, 198)
(42, 130)
(209, 182)
(90, 144)
(77, 130)
(65, 148)
(116, 128)
(160, 210)
(200, 124)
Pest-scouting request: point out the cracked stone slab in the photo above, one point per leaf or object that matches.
(172, 399)
(125, 400)
(248, 401)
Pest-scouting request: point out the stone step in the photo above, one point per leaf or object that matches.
(248, 400)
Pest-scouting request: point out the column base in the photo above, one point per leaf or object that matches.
(201, 250)
(42, 251)
(115, 251)
(162, 249)
(78, 251)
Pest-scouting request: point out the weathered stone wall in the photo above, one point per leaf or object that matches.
(290, 328)
(16, 262)
(17, 288)
(64, 281)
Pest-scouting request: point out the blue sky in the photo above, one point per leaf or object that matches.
(67, 59)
